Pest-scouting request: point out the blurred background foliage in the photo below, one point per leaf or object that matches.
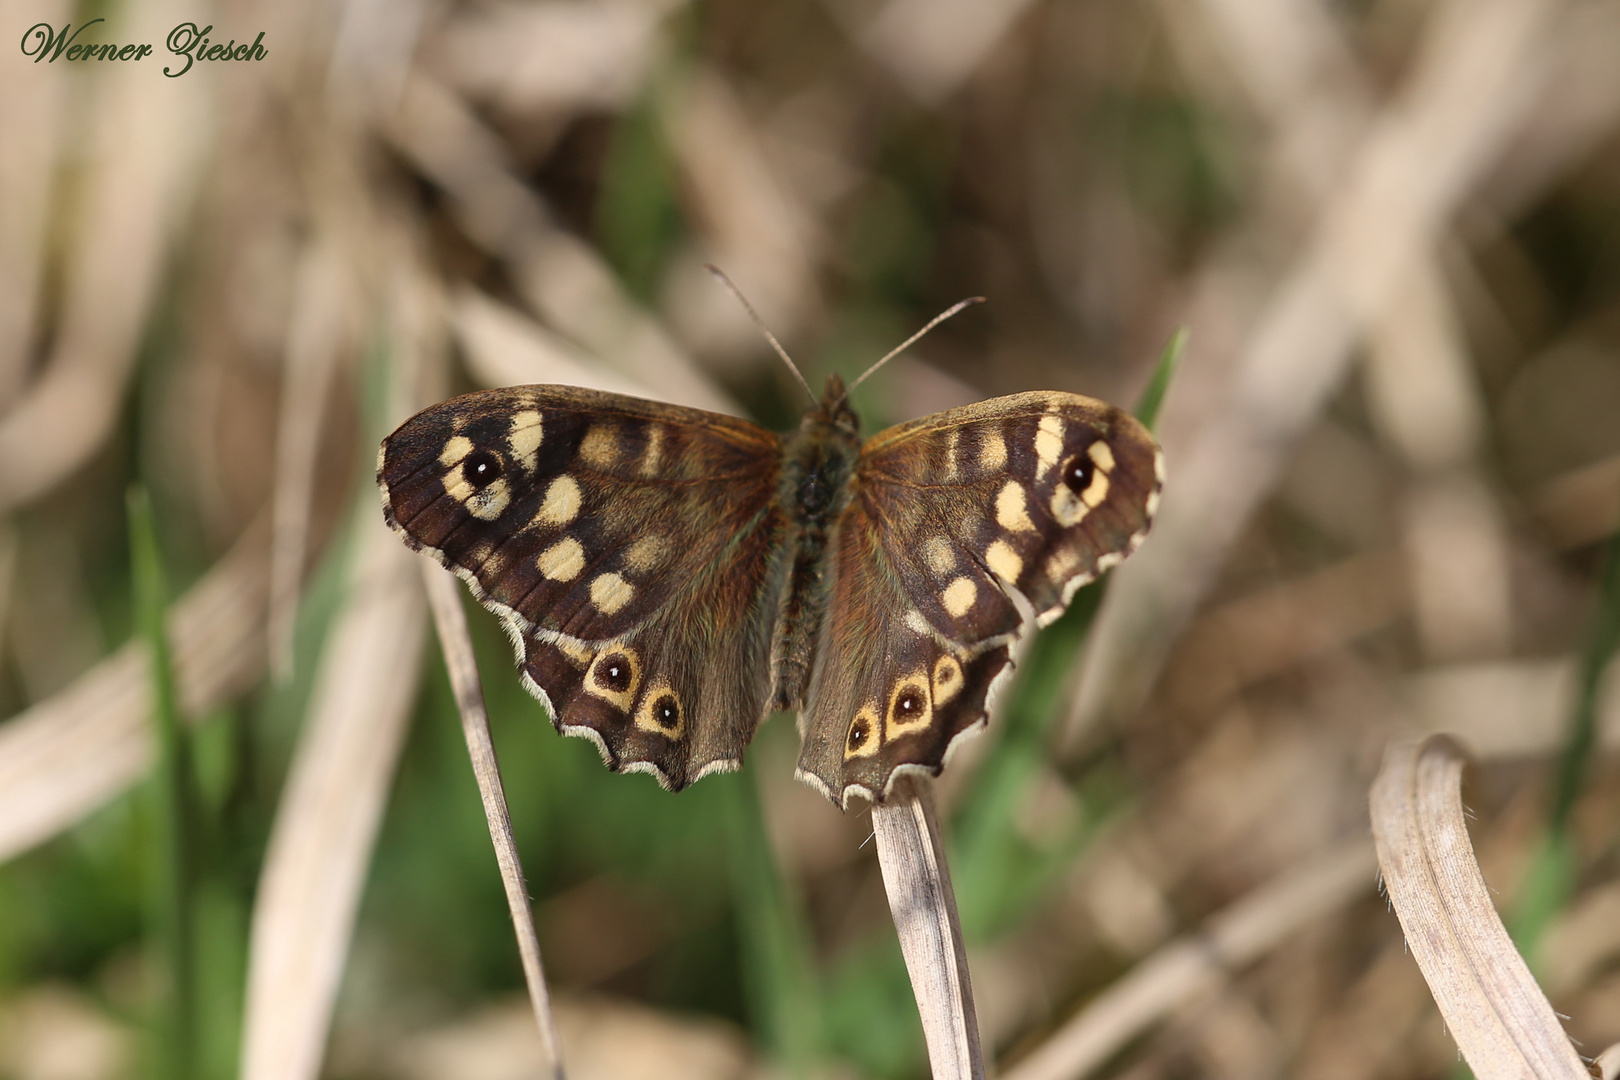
(1392, 229)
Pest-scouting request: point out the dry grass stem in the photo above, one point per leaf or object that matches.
(315, 340)
(1404, 182)
(330, 810)
(564, 280)
(1191, 966)
(1491, 1003)
(31, 103)
(505, 347)
(1607, 1064)
(145, 148)
(918, 882)
(66, 756)
(1509, 708)
(444, 597)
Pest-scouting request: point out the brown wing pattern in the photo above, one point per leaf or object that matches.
(1035, 494)
(630, 548)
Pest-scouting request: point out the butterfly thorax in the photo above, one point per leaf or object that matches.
(817, 462)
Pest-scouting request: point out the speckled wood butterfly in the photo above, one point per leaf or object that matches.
(670, 576)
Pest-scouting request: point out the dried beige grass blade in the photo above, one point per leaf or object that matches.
(919, 886)
(331, 808)
(933, 46)
(32, 96)
(505, 347)
(1491, 1003)
(66, 756)
(753, 223)
(1607, 1064)
(1193, 965)
(1477, 69)
(444, 596)
(552, 58)
(559, 276)
(315, 341)
(1509, 708)
(143, 153)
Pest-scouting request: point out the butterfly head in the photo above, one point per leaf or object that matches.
(834, 410)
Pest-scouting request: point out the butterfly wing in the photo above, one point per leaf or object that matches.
(1036, 494)
(630, 548)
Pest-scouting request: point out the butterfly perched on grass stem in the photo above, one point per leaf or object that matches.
(669, 576)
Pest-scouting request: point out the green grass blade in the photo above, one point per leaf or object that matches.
(175, 894)
(777, 955)
(1551, 880)
(1147, 406)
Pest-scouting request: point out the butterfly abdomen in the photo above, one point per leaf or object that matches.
(814, 490)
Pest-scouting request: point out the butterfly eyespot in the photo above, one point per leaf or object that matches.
(614, 673)
(1078, 472)
(908, 706)
(667, 712)
(481, 469)
(859, 734)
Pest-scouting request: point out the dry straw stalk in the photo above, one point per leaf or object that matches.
(1491, 1003)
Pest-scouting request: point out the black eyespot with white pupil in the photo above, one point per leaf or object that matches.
(481, 469)
(1078, 472)
(859, 734)
(666, 711)
(613, 673)
(910, 704)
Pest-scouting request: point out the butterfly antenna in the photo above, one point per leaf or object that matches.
(759, 322)
(912, 340)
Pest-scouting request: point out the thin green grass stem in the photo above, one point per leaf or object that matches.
(1551, 880)
(176, 828)
(777, 957)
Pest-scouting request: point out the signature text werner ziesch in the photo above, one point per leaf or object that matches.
(43, 43)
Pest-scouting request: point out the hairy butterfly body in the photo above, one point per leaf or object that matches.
(669, 576)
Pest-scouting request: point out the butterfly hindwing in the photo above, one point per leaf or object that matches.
(1035, 494)
(631, 549)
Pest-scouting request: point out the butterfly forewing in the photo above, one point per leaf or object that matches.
(631, 548)
(1035, 493)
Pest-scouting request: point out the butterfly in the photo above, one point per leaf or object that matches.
(669, 577)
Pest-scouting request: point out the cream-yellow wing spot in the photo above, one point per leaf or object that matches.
(1012, 508)
(610, 593)
(1004, 562)
(524, 438)
(1048, 444)
(947, 679)
(959, 596)
(561, 504)
(562, 561)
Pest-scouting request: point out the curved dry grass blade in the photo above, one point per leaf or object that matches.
(505, 347)
(559, 276)
(331, 808)
(146, 145)
(1405, 181)
(1192, 965)
(924, 907)
(315, 341)
(444, 596)
(1607, 1064)
(1491, 1004)
(934, 47)
(66, 756)
(32, 96)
